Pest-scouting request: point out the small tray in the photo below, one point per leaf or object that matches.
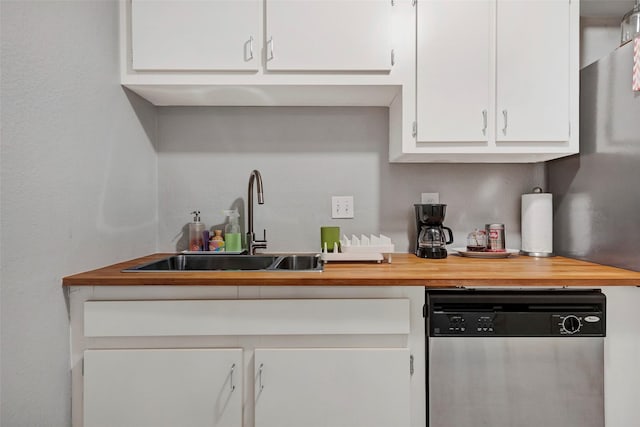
(213, 253)
(487, 255)
(342, 256)
(381, 249)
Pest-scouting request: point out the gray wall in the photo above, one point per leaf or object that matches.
(598, 37)
(78, 176)
(306, 155)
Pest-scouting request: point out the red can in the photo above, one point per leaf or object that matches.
(495, 237)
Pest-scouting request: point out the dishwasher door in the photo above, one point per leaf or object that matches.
(527, 358)
(516, 382)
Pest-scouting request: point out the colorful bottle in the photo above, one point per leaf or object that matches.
(205, 240)
(232, 235)
(217, 242)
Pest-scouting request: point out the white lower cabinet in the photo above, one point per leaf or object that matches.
(163, 387)
(162, 356)
(332, 387)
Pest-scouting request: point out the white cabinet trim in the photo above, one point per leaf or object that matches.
(246, 317)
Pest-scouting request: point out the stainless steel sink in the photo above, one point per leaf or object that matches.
(299, 262)
(208, 262)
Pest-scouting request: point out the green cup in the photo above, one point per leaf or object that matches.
(330, 236)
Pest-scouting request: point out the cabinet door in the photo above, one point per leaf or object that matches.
(532, 70)
(453, 70)
(168, 387)
(332, 387)
(317, 35)
(195, 34)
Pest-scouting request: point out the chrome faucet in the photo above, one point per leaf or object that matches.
(252, 243)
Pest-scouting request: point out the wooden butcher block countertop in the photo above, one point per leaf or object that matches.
(405, 270)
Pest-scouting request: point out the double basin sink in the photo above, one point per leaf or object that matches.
(209, 262)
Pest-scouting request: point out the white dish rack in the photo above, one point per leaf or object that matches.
(363, 248)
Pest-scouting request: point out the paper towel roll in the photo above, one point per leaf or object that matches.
(537, 224)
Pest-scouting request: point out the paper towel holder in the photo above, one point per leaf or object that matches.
(538, 254)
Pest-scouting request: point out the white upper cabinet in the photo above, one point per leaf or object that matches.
(454, 73)
(225, 35)
(496, 81)
(267, 52)
(532, 70)
(195, 35)
(464, 80)
(328, 35)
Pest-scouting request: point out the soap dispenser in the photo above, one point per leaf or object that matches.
(232, 235)
(196, 228)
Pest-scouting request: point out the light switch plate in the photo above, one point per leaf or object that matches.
(431, 198)
(342, 207)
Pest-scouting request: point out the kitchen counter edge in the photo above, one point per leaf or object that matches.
(405, 270)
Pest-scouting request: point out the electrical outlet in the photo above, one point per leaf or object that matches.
(431, 198)
(342, 207)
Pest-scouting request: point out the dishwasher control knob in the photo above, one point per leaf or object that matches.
(571, 324)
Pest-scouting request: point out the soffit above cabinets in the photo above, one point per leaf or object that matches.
(605, 8)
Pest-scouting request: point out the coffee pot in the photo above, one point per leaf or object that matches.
(432, 235)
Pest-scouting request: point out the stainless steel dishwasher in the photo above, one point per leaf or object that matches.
(515, 358)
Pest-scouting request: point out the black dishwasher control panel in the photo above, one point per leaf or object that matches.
(479, 313)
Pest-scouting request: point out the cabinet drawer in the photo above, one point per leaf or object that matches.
(246, 317)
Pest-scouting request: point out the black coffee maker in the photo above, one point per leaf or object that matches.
(431, 240)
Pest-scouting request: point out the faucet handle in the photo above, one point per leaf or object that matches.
(258, 244)
(264, 236)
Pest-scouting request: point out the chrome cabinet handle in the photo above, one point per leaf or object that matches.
(250, 47)
(260, 376)
(270, 44)
(504, 129)
(484, 122)
(233, 386)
